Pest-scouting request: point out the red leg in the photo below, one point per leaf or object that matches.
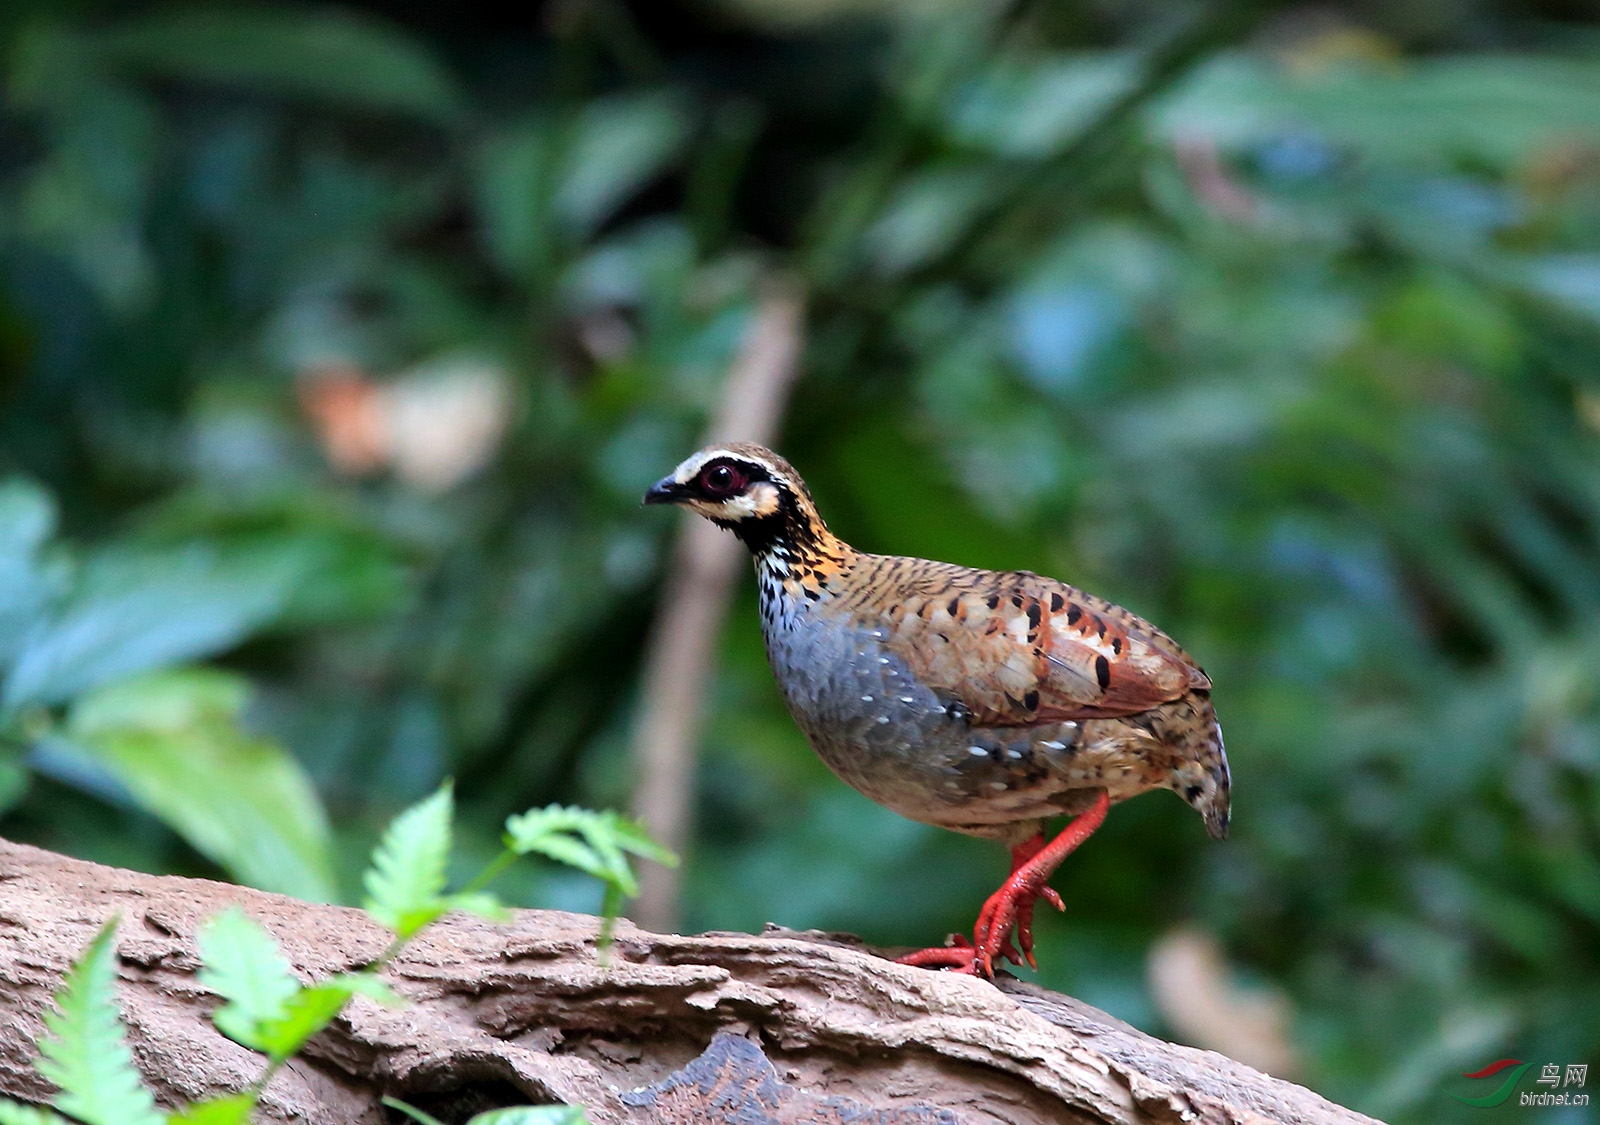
(1009, 911)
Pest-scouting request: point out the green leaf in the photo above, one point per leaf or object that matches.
(533, 1115)
(564, 849)
(278, 1022)
(27, 519)
(1570, 281)
(411, 1111)
(369, 984)
(1018, 109)
(134, 612)
(513, 183)
(243, 965)
(405, 884)
(542, 177)
(334, 58)
(1497, 109)
(231, 1110)
(618, 144)
(631, 837)
(14, 778)
(308, 1011)
(928, 212)
(481, 903)
(174, 740)
(85, 1051)
(593, 842)
(15, 1113)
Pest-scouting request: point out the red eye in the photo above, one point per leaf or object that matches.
(721, 480)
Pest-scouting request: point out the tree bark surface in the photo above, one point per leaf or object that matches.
(781, 1028)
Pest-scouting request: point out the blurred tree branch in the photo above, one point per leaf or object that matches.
(682, 654)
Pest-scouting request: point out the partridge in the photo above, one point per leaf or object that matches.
(980, 701)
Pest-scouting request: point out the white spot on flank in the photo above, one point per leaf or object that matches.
(977, 751)
(1069, 726)
(883, 660)
(1014, 754)
(1053, 745)
(866, 699)
(906, 699)
(997, 785)
(883, 719)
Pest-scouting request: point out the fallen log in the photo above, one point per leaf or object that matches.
(780, 1028)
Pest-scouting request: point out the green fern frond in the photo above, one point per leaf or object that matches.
(85, 1051)
(593, 842)
(405, 884)
(243, 965)
(231, 1110)
(15, 1113)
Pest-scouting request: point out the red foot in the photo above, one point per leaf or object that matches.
(1008, 913)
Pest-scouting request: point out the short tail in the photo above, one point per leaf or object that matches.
(1209, 784)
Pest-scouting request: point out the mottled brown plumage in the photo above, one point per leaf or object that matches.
(980, 701)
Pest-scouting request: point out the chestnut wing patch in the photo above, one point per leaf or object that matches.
(1017, 649)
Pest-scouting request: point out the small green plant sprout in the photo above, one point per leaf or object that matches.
(406, 883)
(595, 842)
(266, 1008)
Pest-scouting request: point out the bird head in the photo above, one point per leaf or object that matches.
(745, 488)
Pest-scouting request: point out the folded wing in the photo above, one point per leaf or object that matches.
(1016, 648)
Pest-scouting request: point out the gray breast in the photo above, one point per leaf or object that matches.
(899, 742)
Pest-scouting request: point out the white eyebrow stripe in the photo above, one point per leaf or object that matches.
(685, 472)
(689, 466)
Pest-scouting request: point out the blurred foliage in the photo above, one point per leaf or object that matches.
(337, 348)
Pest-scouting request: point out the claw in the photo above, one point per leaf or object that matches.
(957, 957)
(1004, 928)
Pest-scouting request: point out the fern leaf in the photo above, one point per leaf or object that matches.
(309, 1011)
(231, 1110)
(15, 1113)
(593, 842)
(243, 965)
(85, 1051)
(632, 837)
(405, 884)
